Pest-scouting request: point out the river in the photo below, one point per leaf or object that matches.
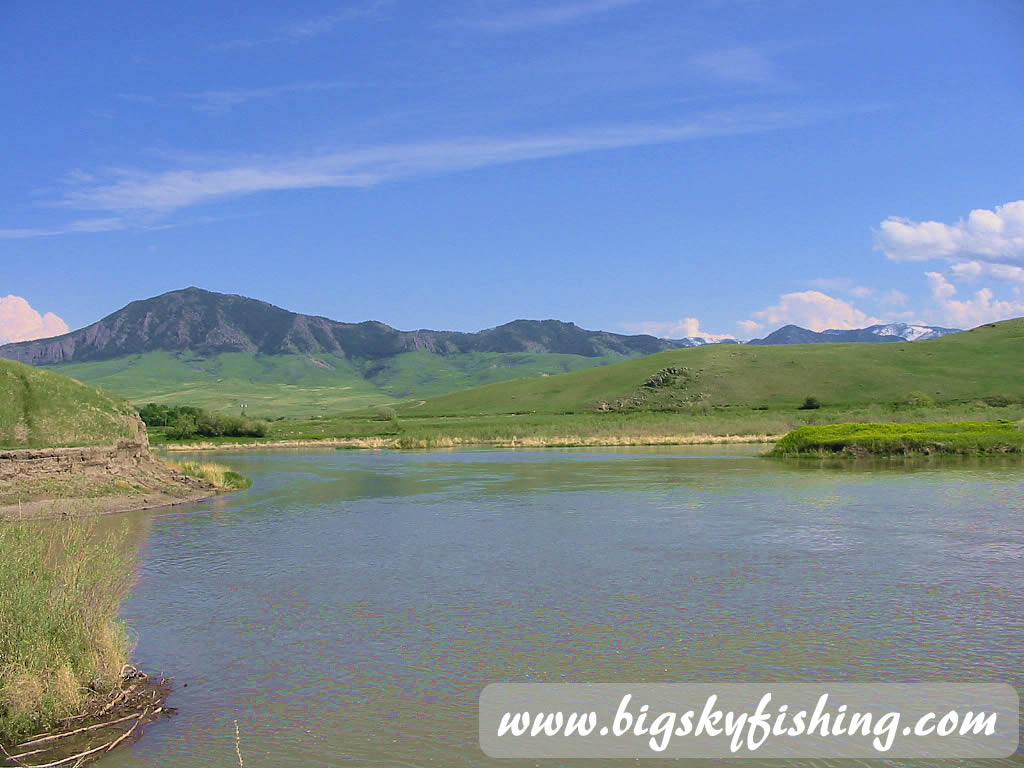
(349, 608)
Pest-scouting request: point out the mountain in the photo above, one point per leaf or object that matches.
(202, 322)
(794, 334)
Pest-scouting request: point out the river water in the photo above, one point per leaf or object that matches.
(350, 607)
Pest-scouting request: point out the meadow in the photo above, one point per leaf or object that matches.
(721, 391)
(270, 386)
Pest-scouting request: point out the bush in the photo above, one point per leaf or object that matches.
(919, 400)
(184, 422)
(810, 404)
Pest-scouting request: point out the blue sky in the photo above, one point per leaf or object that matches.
(710, 166)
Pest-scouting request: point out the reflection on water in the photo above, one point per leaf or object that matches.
(350, 607)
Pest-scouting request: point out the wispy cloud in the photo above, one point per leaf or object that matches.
(228, 99)
(75, 227)
(167, 190)
(739, 64)
(544, 16)
(305, 29)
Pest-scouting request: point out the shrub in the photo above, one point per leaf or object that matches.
(919, 400)
(810, 404)
(184, 422)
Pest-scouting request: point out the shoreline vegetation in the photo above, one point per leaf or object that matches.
(970, 438)
(394, 429)
(68, 692)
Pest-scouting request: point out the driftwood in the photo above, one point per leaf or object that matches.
(135, 692)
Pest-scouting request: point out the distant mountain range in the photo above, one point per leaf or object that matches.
(794, 334)
(203, 322)
(223, 351)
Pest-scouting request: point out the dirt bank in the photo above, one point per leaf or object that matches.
(45, 482)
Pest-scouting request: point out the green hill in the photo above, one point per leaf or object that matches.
(42, 409)
(984, 362)
(307, 385)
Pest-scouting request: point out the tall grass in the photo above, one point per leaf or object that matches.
(61, 586)
(964, 437)
(216, 474)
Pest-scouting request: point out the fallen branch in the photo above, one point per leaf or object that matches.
(55, 736)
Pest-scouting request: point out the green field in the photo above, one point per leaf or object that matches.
(967, 438)
(272, 386)
(38, 408)
(714, 391)
(983, 363)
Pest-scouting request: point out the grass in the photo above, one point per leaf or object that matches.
(218, 475)
(967, 438)
(714, 391)
(39, 408)
(60, 635)
(957, 369)
(271, 386)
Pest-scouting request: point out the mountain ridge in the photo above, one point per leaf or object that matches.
(205, 322)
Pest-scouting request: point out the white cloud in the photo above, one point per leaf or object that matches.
(972, 270)
(163, 191)
(991, 236)
(813, 310)
(983, 307)
(861, 291)
(687, 328)
(20, 322)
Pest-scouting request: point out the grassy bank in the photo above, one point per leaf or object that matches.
(61, 640)
(219, 476)
(410, 430)
(920, 438)
(41, 409)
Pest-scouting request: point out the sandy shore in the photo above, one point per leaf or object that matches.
(100, 505)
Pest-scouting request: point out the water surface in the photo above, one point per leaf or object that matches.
(348, 609)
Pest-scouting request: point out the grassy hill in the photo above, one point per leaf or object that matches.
(305, 385)
(42, 409)
(711, 392)
(983, 362)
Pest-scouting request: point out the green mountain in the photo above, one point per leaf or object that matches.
(226, 352)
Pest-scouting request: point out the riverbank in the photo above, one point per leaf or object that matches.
(66, 680)
(412, 429)
(426, 443)
(75, 482)
(976, 438)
